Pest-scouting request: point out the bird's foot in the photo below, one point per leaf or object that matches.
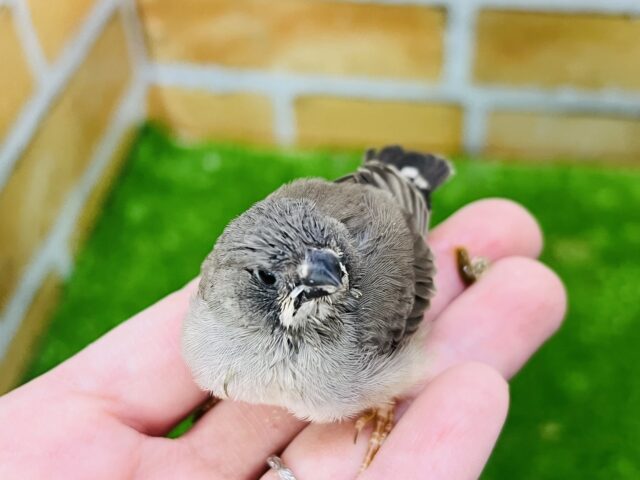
(470, 269)
(364, 420)
(382, 418)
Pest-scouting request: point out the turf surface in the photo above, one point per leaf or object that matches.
(575, 406)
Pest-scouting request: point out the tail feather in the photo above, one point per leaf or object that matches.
(424, 170)
(409, 177)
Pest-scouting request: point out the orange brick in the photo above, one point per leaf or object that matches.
(557, 137)
(57, 21)
(337, 122)
(59, 152)
(201, 114)
(588, 51)
(15, 77)
(17, 357)
(100, 191)
(329, 37)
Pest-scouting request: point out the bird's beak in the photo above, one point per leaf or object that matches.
(321, 268)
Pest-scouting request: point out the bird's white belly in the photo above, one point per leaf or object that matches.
(309, 394)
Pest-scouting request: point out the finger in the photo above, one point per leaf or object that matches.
(235, 438)
(501, 320)
(492, 228)
(513, 231)
(138, 370)
(447, 433)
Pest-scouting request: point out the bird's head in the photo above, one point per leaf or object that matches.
(283, 264)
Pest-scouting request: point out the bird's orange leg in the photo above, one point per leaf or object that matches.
(383, 418)
(364, 420)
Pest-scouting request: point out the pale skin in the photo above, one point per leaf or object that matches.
(103, 413)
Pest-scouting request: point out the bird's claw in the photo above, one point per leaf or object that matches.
(362, 422)
(470, 269)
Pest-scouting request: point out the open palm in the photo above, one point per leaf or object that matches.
(104, 412)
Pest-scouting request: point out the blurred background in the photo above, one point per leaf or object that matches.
(132, 132)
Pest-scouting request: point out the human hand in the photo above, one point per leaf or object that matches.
(103, 413)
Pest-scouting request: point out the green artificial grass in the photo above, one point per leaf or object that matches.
(575, 406)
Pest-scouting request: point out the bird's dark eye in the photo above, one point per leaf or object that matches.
(265, 277)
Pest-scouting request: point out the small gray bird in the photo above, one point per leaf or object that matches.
(313, 299)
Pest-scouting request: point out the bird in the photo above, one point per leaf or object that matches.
(314, 298)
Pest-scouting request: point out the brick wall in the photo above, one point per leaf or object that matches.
(534, 79)
(68, 105)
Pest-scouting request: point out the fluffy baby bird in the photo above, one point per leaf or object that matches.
(313, 299)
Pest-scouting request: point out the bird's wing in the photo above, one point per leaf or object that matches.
(410, 178)
(424, 270)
